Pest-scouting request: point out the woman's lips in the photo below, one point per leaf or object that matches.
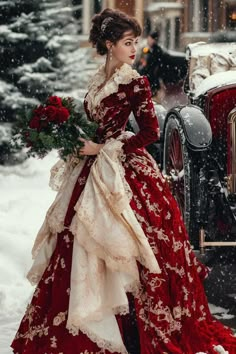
(132, 56)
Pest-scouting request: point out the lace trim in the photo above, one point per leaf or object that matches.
(101, 343)
(133, 288)
(57, 173)
(122, 155)
(121, 310)
(122, 158)
(123, 75)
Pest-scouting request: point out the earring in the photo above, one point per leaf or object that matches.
(110, 53)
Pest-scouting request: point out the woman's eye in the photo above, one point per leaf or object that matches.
(127, 43)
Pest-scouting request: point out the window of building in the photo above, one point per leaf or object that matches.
(231, 17)
(177, 32)
(167, 30)
(97, 6)
(204, 9)
(191, 15)
(216, 15)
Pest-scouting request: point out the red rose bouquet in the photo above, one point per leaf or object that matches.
(53, 125)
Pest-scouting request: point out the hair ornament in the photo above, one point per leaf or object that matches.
(105, 23)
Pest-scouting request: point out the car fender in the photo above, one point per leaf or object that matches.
(161, 116)
(196, 128)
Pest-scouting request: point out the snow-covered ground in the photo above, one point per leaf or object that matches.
(25, 197)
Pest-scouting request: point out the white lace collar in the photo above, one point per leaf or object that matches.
(123, 75)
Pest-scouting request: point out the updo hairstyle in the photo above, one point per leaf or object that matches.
(111, 25)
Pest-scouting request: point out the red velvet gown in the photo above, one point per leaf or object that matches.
(170, 314)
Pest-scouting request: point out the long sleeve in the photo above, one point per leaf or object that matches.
(143, 109)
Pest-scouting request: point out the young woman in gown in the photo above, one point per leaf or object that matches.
(113, 265)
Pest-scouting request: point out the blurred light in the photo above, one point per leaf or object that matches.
(233, 15)
(145, 50)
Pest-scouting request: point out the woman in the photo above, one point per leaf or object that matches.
(113, 263)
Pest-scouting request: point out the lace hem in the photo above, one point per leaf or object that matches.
(101, 343)
(133, 288)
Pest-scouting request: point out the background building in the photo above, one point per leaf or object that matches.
(83, 12)
(132, 7)
(185, 21)
(180, 22)
(203, 17)
(166, 16)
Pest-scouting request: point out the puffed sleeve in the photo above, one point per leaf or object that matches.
(144, 112)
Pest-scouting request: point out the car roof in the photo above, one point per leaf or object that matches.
(210, 65)
(202, 48)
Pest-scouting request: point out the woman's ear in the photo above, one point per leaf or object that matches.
(108, 44)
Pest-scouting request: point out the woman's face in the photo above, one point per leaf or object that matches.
(124, 51)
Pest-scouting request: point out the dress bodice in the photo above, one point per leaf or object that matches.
(111, 106)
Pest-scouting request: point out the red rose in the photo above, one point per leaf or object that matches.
(49, 113)
(38, 110)
(62, 114)
(55, 101)
(35, 123)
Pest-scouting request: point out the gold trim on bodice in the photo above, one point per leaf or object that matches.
(123, 75)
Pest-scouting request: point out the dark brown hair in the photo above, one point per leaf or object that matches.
(111, 25)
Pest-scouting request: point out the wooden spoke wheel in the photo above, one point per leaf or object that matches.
(176, 169)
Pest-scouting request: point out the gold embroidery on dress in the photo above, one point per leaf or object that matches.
(59, 318)
(180, 271)
(53, 342)
(87, 352)
(177, 245)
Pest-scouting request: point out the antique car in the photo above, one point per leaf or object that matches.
(198, 146)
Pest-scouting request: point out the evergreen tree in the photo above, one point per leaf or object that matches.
(37, 39)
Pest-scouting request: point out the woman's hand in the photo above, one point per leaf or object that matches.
(89, 148)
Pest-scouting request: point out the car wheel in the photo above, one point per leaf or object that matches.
(180, 171)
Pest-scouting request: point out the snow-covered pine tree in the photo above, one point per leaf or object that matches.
(39, 45)
(14, 46)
